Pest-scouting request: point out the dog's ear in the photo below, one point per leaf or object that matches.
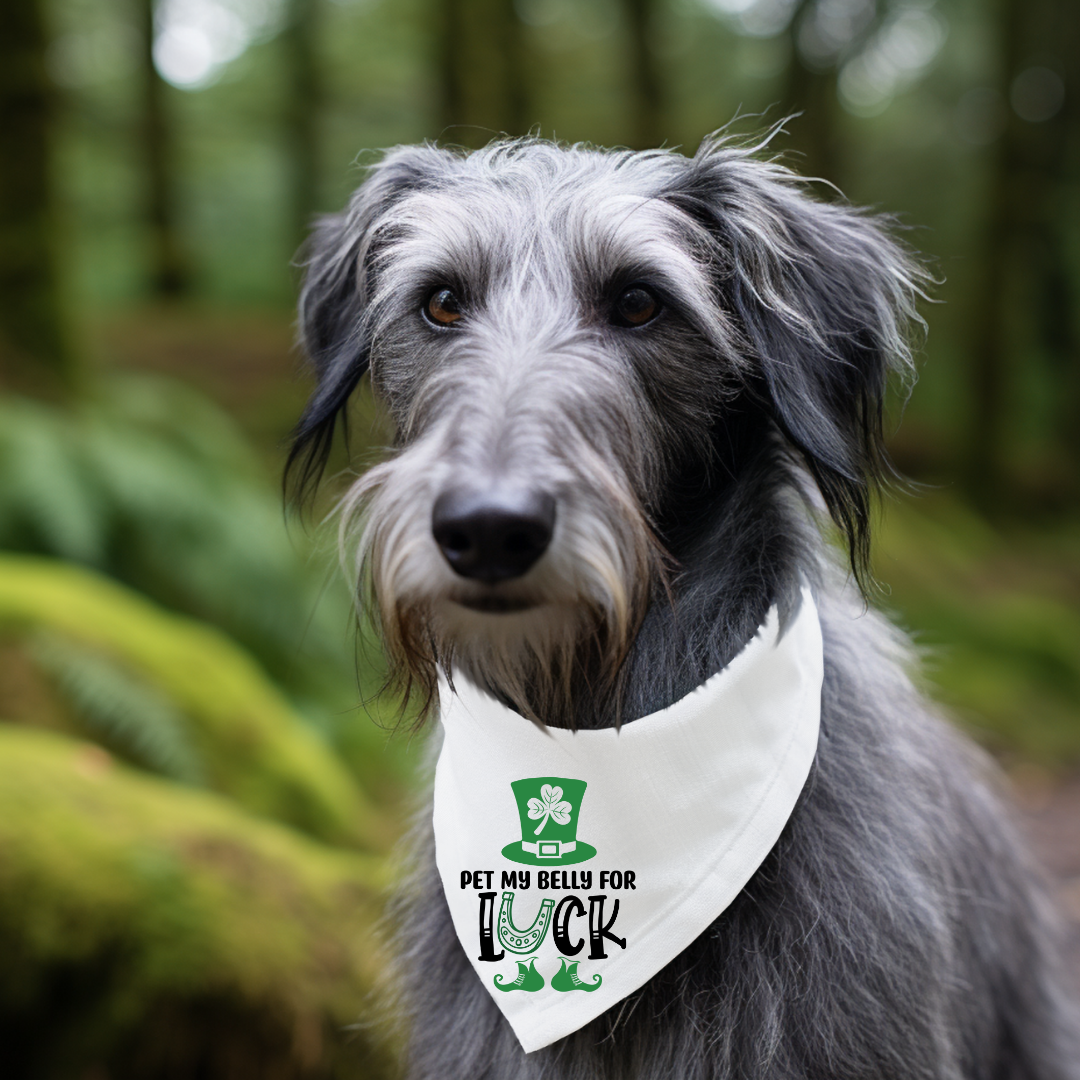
(334, 308)
(825, 297)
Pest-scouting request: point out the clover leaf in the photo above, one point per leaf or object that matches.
(550, 805)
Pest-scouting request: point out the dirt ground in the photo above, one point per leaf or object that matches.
(1051, 817)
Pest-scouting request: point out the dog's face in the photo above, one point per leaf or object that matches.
(554, 331)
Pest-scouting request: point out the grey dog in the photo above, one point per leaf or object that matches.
(629, 391)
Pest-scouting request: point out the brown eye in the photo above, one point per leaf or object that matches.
(443, 307)
(636, 307)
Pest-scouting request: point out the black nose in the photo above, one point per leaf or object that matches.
(492, 535)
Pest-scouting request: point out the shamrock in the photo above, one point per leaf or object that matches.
(550, 806)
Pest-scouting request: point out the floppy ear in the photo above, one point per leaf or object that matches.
(335, 318)
(826, 299)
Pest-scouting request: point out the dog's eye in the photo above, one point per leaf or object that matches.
(636, 307)
(443, 308)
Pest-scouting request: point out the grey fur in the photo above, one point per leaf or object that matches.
(897, 929)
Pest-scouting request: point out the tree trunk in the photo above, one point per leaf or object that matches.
(169, 273)
(987, 480)
(483, 72)
(1028, 237)
(34, 348)
(302, 110)
(1058, 292)
(646, 89)
(812, 94)
(516, 107)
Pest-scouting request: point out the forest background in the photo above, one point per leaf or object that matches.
(195, 807)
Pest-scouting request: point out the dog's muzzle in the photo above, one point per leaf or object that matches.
(492, 535)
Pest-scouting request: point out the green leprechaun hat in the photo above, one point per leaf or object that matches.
(548, 807)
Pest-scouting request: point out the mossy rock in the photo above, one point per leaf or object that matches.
(249, 742)
(150, 930)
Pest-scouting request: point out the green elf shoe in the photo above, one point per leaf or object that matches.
(528, 978)
(566, 979)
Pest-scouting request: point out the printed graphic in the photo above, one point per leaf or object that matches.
(528, 978)
(548, 809)
(523, 941)
(566, 979)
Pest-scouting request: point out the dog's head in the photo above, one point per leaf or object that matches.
(555, 333)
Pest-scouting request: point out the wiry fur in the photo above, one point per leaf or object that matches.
(897, 929)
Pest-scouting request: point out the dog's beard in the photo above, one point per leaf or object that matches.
(550, 644)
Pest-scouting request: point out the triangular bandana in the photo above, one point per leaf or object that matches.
(576, 865)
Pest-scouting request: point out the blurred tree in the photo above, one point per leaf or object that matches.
(302, 110)
(988, 345)
(646, 79)
(169, 270)
(482, 65)
(821, 38)
(810, 91)
(34, 347)
(1059, 143)
(1026, 238)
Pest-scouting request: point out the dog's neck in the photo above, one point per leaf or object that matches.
(740, 537)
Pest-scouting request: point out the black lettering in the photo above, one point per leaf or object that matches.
(523, 878)
(598, 929)
(509, 879)
(586, 880)
(487, 928)
(559, 925)
(542, 879)
(629, 880)
(466, 878)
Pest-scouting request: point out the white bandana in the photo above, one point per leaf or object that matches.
(576, 865)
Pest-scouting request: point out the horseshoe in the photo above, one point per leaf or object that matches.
(523, 941)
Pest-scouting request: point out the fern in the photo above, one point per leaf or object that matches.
(152, 484)
(252, 745)
(118, 709)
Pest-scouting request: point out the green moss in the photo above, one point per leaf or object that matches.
(132, 909)
(998, 617)
(250, 743)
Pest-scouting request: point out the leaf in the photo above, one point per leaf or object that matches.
(551, 795)
(127, 714)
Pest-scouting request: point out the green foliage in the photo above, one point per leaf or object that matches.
(120, 711)
(151, 483)
(149, 930)
(237, 728)
(998, 617)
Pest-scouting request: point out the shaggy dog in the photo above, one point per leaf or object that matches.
(629, 390)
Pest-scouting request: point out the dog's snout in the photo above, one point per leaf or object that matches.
(492, 535)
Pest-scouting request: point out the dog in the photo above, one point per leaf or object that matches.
(632, 393)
